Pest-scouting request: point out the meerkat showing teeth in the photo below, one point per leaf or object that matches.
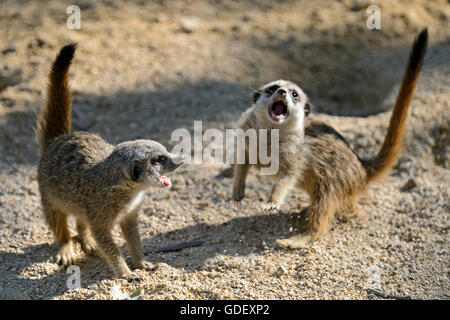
(100, 184)
(315, 157)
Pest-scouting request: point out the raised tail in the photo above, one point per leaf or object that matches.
(54, 120)
(390, 150)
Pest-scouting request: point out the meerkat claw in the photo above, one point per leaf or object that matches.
(271, 206)
(237, 197)
(144, 265)
(237, 203)
(133, 278)
(65, 256)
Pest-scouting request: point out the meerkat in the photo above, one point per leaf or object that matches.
(314, 157)
(100, 184)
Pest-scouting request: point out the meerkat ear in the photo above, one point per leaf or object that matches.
(136, 170)
(256, 96)
(308, 107)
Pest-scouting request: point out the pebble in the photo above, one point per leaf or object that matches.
(190, 24)
(409, 185)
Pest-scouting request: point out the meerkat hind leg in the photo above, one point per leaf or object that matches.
(57, 221)
(88, 244)
(129, 226)
(318, 215)
(240, 174)
(347, 210)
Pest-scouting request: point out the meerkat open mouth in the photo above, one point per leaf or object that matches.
(278, 110)
(165, 181)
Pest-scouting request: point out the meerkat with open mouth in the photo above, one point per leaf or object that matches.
(315, 157)
(100, 184)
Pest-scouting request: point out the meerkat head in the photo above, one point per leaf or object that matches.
(282, 103)
(145, 162)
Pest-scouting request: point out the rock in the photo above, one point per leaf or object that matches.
(10, 79)
(360, 5)
(9, 49)
(409, 185)
(190, 24)
(246, 17)
(281, 271)
(41, 41)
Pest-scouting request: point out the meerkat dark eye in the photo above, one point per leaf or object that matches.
(294, 94)
(159, 160)
(270, 90)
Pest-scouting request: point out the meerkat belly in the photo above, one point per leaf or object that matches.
(132, 205)
(66, 205)
(135, 202)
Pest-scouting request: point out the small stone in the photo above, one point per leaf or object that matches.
(281, 270)
(247, 17)
(409, 185)
(9, 49)
(360, 5)
(190, 24)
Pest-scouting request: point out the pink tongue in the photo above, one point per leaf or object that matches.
(164, 180)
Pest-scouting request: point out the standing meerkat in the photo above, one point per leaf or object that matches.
(100, 184)
(315, 157)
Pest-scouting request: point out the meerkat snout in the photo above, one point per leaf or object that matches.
(167, 164)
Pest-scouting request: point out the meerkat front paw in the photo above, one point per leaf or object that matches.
(65, 255)
(238, 196)
(271, 206)
(296, 242)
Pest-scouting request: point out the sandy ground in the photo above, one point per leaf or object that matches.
(146, 68)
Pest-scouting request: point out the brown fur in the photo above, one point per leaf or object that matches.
(316, 158)
(390, 150)
(54, 121)
(100, 184)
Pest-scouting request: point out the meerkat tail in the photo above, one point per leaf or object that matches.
(390, 150)
(54, 119)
